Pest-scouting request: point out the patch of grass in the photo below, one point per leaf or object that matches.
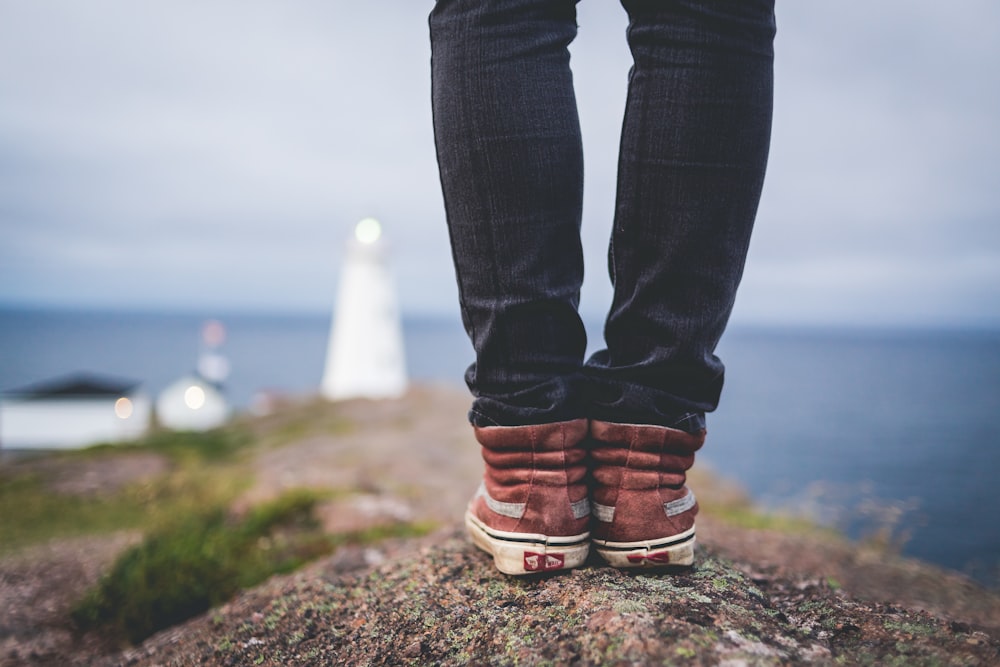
(726, 501)
(30, 513)
(198, 560)
(195, 562)
(296, 421)
(217, 445)
(189, 446)
(177, 572)
(747, 516)
(201, 474)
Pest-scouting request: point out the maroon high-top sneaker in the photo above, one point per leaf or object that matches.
(531, 511)
(643, 512)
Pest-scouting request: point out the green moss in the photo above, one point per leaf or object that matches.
(307, 425)
(613, 651)
(199, 560)
(185, 568)
(708, 567)
(628, 606)
(749, 517)
(705, 639)
(685, 652)
(600, 597)
(910, 629)
(214, 446)
(31, 513)
(497, 589)
(202, 473)
(814, 605)
(323, 607)
(695, 596)
(723, 501)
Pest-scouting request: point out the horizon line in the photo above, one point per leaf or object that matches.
(590, 319)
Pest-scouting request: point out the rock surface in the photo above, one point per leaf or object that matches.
(754, 597)
(441, 602)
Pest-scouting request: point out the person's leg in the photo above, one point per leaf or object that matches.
(693, 152)
(510, 159)
(511, 166)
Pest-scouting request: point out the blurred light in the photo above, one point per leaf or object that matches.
(213, 367)
(194, 397)
(368, 231)
(213, 333)
(123, 408)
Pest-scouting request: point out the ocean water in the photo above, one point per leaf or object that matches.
(863, 429)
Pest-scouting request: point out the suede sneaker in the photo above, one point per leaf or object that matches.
(531, 512)
(643, 512)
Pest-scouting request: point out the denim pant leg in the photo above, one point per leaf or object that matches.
(693, 152)
(511, 166)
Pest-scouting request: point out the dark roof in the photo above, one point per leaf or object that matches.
(77, 385)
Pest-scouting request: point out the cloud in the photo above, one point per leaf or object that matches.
(216, 155)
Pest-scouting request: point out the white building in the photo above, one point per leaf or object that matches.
(72, 412)
(191, 404)
(196, 402)
(365, 356)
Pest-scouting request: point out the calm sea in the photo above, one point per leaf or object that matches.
(865, 429)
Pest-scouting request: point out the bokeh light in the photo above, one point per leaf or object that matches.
(368, 231)
(123, 408)
(194, 397)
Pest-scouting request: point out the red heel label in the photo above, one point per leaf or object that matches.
(658, 558)
(543, 562)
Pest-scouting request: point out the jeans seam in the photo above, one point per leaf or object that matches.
(485, 417)
(683, 418)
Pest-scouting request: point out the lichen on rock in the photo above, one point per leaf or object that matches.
(443, 603)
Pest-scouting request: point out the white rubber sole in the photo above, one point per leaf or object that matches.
(673, 550)
(528, 553)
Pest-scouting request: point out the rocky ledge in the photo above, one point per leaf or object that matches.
(439, 601)
(755, 597)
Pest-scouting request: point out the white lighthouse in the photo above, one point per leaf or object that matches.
(365, 357)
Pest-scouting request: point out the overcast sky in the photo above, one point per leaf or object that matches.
(215, 155)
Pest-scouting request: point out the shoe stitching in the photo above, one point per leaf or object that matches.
(633, 437)
(532, 439)
(580, 508)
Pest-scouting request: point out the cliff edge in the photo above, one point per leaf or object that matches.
(756, 596)
(439, 601)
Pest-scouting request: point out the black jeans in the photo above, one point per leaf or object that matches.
(691, 166)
